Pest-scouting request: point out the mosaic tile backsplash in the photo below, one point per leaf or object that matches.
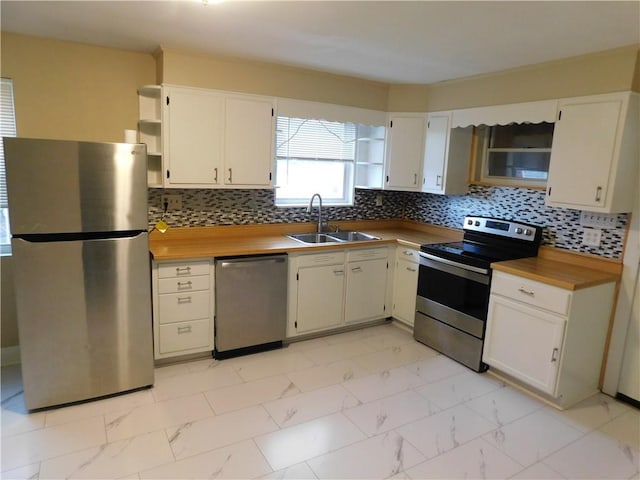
(204, 207)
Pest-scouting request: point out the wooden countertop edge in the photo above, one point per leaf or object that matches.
(569, 276)
(181, 243)
(199, 242)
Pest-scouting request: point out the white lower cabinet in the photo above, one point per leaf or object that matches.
(332, 289)
(365, 297)
(547, 337)
(182, 307)
(320, 292)
(405, 285)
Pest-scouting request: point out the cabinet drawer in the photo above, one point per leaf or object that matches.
(368, 254)
(178, 307)
(181, 285)
(531, 292)
(185, 336)
(185, 269)
(329, 258)
(408, 254)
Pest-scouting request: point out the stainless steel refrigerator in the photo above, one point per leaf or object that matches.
(78, 218)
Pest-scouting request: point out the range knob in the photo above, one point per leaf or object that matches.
(518, 230)
(469, 222)
(477, 224)
(527, 232)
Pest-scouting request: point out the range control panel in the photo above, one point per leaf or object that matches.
(503, 228)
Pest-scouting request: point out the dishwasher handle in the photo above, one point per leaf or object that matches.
(238, 262)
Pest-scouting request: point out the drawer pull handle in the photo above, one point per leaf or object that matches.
(184, 284)
(408, 252)
(526, 292)
(338, 272)
(182, 330)
(182, 300)
(215, 178)
(230, 176)
(183, 270)
(356, 269)
(554, 355)
(438, 180)
(411, 269)
(415, 178)
(598, 194)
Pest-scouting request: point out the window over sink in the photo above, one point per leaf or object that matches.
(314, 156)
(327, 149)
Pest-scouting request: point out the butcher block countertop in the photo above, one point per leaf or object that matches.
(222, 241)
(568, 270)
(565, 270)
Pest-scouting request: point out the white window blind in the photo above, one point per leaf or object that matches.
(7, 129)
(314, 156)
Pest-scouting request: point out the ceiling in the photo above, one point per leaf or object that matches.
(418, 42)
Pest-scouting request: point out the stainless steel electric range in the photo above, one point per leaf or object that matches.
(454, 282)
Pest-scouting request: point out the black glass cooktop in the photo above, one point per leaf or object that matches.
(470, 253)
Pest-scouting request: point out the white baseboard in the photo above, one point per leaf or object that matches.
(10, 356)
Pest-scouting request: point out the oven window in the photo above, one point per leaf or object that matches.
(455, 292)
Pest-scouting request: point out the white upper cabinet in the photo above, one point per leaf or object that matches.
(594, 156)
(405, 151)
(193, 137)
(248, 140)
(216, 139)
(446, 156)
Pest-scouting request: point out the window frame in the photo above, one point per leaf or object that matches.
(7, 129)
(348, 165)
(481, 161)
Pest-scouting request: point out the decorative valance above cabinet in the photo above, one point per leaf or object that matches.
(529, 112)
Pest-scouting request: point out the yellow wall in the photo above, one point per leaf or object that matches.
(225, 73)
(72, 91)
(603, 72)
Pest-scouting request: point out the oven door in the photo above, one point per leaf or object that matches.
(451, 308)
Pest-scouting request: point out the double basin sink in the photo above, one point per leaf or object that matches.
(332, 237)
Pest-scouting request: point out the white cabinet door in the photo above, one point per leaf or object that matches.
(582, 153)
(405, 289)
(248, 140)
(320, 297)
(435, 153)
(193, 137)
(405, 151)
(524, 342)
(366, 290)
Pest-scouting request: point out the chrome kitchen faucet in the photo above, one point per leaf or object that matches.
(320, 223)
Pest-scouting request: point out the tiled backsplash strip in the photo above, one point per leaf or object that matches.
(203, 207)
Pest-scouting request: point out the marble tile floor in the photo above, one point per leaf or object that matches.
(371, 403)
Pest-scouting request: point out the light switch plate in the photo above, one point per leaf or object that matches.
(598, 220)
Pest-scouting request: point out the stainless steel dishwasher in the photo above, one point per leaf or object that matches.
(251, 304)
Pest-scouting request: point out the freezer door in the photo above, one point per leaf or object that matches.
(58, 186)
(84, 318)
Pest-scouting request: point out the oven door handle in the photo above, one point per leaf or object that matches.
(481, 271)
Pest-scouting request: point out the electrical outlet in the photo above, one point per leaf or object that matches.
(173, 202)
(598, 220)
(379, 200)
(591, 237)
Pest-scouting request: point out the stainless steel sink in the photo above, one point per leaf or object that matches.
(352, 236)
(333, 237)
(314, 238)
